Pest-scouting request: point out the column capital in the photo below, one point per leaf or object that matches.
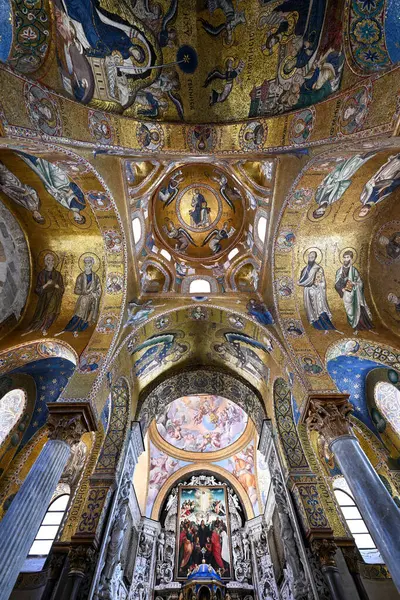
(80, 559)
(68, 421)
(325, 549)
(328, 415)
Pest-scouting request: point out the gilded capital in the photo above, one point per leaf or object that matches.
(328, 415)
(80, 559)
(68, 421)
(325, 549)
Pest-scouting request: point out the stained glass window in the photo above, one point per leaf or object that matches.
(12, 405)
(356, 524)
(387, 398)
(49, 527)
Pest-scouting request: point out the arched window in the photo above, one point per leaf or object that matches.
(355, 523)
(49, 528)
(387, 399)
(165, 254)
(233, 253)
(200, 286)
(137, 229)
(262, 228)
(12, 406)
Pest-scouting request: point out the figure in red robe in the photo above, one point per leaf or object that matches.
(216, 548)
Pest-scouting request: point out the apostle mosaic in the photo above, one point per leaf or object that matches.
(350, 287)
(50, 290)
(312, 280)
(88, 290)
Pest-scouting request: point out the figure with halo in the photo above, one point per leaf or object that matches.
(50, 290)
(350, 287)
(312, 280)
(88, 290)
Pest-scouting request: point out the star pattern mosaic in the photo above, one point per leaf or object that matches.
(349, 374)
(51, 375)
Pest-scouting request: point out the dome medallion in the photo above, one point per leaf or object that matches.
(198, 212)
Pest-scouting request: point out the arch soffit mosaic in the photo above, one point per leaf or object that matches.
(78, 170)
(126, 136)
(288, 293)
(170, 320)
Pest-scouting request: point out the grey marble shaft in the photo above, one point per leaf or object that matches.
(380, 513)
(22, 520)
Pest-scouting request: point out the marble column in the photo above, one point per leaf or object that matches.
(328, 415)
(325, 549)
(21, 522)
(80, 559)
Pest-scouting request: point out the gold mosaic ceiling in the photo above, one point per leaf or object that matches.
(198, 212)
(204, 61)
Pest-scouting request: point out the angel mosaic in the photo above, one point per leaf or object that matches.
(58, 184)
(158, 350)
(229, 193)
(215, 237)
(168, 193)
(236, 348)
(179, 234)
(229, 74)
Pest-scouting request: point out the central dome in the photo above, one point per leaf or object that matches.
(198, 211)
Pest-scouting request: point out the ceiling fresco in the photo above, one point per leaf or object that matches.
(243, 463)
(201, 423)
